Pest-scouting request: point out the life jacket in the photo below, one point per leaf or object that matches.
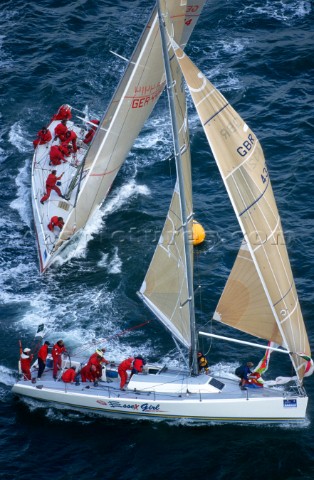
(202, 362)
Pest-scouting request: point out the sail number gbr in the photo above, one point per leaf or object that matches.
(245, 148)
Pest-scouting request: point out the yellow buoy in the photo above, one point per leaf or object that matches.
(198, 233)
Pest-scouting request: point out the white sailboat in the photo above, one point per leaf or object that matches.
(259, 298)
(89, 174)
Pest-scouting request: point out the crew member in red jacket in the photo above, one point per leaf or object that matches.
(86, 374)
(42, 357)
(44, 136)
(51, 185)
(138, 365)
(57, 352)
(55, 222)
(122, 370)
(69, 375)
(56, 155)
(26, 360)
(64, 113)
(70, 136)
(95, 363)
(61, 130)
(90, 134)
(66, 149)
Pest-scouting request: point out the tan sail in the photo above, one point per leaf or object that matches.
(243, 303)
(132, 104)
(242, 165)
(165, 289)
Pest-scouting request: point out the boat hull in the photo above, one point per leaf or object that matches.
(112, 403)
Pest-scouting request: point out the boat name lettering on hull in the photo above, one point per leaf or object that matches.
(246, 146)
(145, 407)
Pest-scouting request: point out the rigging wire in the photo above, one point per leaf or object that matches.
(180, 352)
(118, 334)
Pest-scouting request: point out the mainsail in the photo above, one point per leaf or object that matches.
(241, 162)
(165, 287)
(130, 107)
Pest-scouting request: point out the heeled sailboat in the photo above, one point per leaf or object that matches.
(259, 299)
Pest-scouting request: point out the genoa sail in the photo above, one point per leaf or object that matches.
(165, 288)
(130, 107)
(241, 162)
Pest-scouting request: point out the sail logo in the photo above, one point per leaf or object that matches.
(146, 94)
(145, 407)
(246, 146)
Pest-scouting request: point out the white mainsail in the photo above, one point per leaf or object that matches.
(241, 162)
(165, 287)
(130, 107)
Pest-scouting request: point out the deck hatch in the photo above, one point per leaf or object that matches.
(216, 383)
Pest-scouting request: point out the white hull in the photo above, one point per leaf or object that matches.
(144, 400)
(54, 206)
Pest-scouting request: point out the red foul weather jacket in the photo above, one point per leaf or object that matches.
(43, 352)
(69, 375)
(57, 351)
(126, 364)
(52, 180)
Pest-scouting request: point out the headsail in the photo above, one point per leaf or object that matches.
(241, 162)
(243, 303)
(130, 107)
(165, 287)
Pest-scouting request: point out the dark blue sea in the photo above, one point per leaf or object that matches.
(260, 54)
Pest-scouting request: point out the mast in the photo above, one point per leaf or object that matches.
(177, 154)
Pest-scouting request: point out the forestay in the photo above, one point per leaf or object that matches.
(241, 162)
